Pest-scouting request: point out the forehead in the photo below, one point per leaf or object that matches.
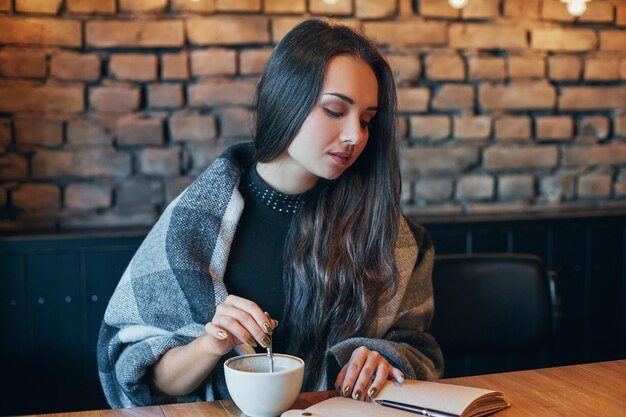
(353, 78)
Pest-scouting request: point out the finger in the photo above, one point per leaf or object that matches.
(219, 340)
(273, 322)
(340, 378)
(269, 329)
(253, 332)
(379, 379)
(216, 331)
(227, 322)
(353, 370)
(370, 366)
(253, 310)
(397, 375)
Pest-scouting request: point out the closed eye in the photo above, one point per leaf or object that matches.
(332, 113)
(364, 124)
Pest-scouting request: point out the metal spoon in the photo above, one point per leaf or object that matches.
(270, 353)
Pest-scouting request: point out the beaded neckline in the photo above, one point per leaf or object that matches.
(281, 202)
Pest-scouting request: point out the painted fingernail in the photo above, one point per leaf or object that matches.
(357, 395)
(400, 379)
(265, 341)
(252, 342)
(266, 326)
(222, 334)
(372, 392)
(346, 391)
(339, 392)
(275, 323)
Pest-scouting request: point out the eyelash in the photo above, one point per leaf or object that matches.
(337, 114)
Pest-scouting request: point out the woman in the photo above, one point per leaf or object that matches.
(304, 224)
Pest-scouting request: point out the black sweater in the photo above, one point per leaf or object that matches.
(255, 263)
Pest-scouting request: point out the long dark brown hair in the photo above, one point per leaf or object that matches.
(339, 250)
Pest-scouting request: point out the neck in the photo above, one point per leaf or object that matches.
(284, 178)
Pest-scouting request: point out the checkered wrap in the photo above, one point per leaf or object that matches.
(175, 281)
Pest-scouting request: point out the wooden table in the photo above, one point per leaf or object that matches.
(597, 390)
(589, 390)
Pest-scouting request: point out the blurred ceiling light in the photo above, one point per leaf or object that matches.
(331, 1)
(457, 4)
(576, 7)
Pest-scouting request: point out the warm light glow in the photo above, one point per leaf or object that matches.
(457, 4)
(331, 1)
(576, 7)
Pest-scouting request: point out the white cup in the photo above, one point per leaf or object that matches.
(259, 393)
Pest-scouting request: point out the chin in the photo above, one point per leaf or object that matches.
(328, 172)
(331, 174)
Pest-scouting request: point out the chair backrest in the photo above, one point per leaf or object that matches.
(492, 303)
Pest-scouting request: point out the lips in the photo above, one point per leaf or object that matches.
(342, 158)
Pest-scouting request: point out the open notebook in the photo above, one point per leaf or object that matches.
(432, 398)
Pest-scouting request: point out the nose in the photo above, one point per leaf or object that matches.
(352, 133)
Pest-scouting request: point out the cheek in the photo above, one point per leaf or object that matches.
(321, 126)
(312, 128)
(302, 140)
(324, 131)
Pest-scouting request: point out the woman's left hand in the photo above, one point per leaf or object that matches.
(364, 374)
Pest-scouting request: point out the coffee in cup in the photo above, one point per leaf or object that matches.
(261, 393)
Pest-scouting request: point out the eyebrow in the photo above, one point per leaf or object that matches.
(349, 100)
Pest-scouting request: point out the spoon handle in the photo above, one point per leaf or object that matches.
(270, 353)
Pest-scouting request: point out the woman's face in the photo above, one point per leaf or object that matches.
(336, 131)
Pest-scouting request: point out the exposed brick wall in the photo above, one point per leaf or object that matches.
(109, 108)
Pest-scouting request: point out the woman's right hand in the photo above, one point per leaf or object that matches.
(237, 321)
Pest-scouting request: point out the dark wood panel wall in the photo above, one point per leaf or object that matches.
(587, 255)
(53, 292)
(54, 289)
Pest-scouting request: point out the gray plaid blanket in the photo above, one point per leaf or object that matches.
(174, 282)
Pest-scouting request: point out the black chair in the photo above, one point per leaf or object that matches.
(493, 304)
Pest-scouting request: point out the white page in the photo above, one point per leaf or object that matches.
(453, 399)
